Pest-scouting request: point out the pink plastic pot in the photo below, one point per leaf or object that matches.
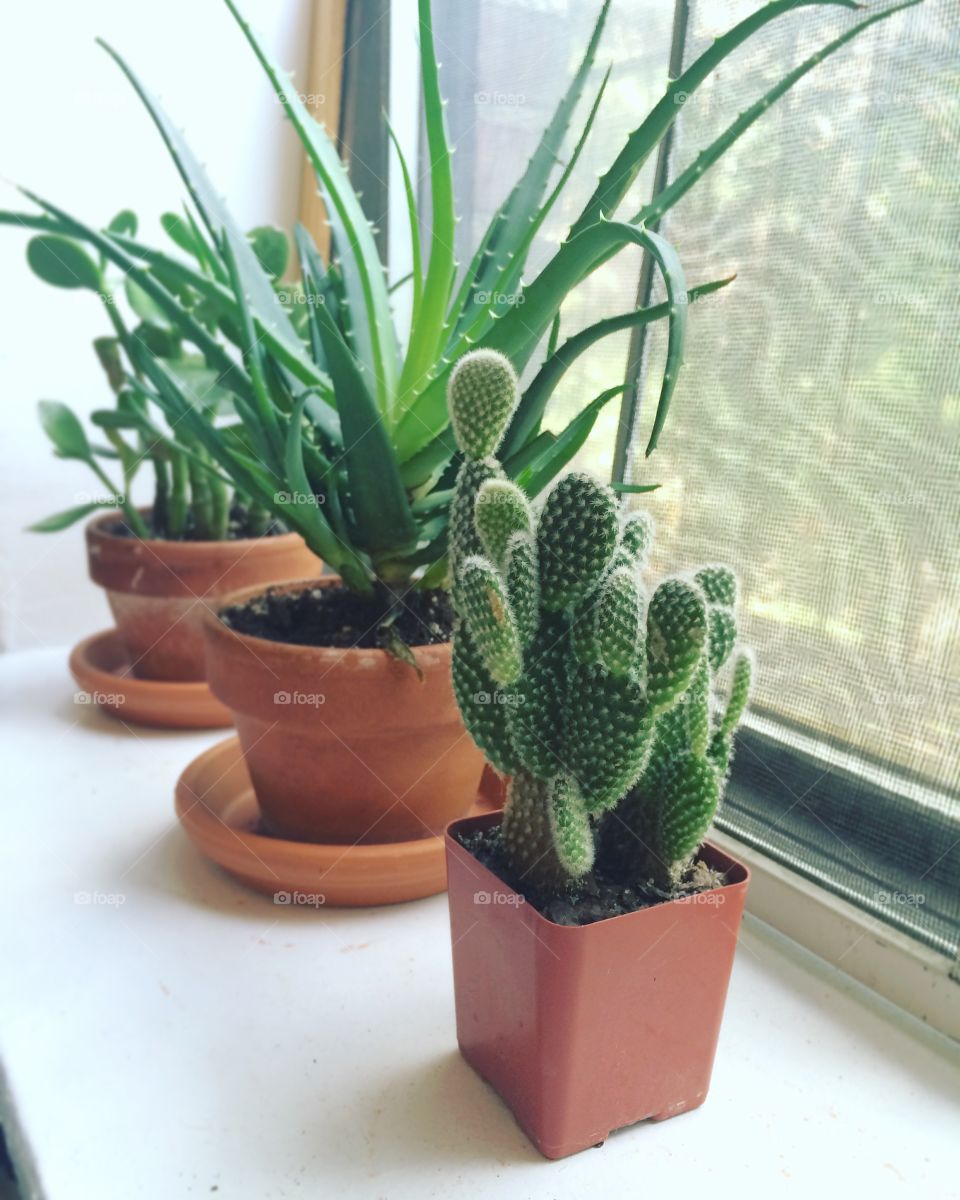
(585, 1030)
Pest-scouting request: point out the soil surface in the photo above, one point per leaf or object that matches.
(335, 616)
(595, 896)
(238, 528)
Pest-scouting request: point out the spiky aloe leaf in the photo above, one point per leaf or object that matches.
(364, 281)
(560, 449)
(478, 317)
(512, 220)
(520, 330)
(263, 299)
(426, 333)
(616, 181)
(533, 403)
(688, 177)
(379, 500)
(413, 215)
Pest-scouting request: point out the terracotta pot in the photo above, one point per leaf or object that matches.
(158, 589)
(344, 746)
(585, 1030)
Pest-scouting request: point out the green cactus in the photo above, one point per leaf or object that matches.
(567, 680)
(483, 395)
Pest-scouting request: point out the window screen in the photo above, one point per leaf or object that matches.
(813, 441)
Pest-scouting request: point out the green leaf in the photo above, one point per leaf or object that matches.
(124, 222)
(687, 178)
(364, 280)
(380, 506)
(616, 181)
(272, 249)
(511, 220)
(426, 334)
(145, 308)
(62, 263)
(263, 300)
(567, 444)
(63, 428)
(69, 516)
(414, 217)
(534, 400)
(634, 489)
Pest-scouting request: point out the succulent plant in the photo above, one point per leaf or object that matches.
(333, 428)
(568, 678)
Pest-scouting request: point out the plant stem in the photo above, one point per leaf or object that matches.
(177, 510)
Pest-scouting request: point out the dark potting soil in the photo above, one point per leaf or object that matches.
(335, 616)
(238, 527)
(595, 896)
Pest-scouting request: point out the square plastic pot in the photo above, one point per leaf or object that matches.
(583, 1030)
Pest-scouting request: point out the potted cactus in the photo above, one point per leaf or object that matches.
(593, 929)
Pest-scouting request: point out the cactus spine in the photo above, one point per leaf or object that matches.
(568, 679)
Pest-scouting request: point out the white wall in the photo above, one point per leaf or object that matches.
(74, 132)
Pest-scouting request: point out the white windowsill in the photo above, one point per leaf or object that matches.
(197, 1037)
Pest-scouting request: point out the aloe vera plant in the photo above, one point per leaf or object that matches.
(336, 429)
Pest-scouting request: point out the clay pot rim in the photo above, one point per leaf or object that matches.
(213, 627)
(569, 932)
(188, 549)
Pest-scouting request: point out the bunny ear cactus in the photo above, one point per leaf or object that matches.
(563, 671)
(671, 805)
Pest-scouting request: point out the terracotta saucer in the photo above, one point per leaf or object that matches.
(101, 666)
(218, 810)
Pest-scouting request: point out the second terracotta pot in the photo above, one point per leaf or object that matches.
(345, 746)
(158, 590)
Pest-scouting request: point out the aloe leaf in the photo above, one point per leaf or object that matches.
(519, 332)
(706, 158)
(615, 182)
(504, 288)
(299, 486)
(380, 506)
(534, 401)
(363, 276)
(427, 331)
(529, 453)
(509, 223)
(253, 361)
(69, 516)
(433, 457)
(417, 273)
(634, 489)
(263, 300)
(566, 444)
